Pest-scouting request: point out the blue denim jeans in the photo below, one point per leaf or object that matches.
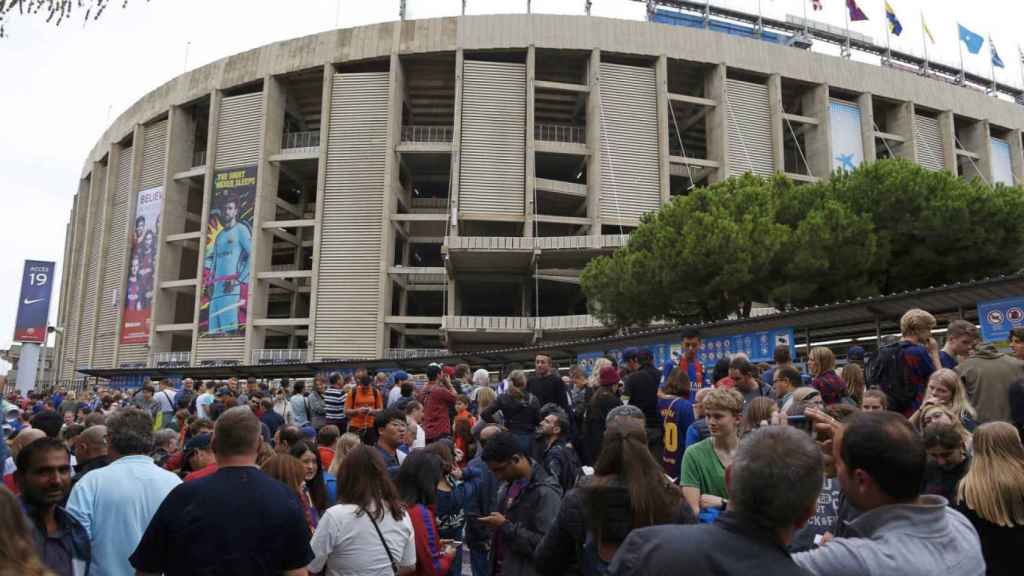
(479, 561)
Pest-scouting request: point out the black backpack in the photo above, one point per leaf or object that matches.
(886, 374)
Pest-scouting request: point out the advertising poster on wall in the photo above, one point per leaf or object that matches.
(227, 252)
(138, 296)
(34, 302)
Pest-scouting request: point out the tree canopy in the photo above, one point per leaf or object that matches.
(888, 226)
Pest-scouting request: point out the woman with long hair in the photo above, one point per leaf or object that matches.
(760, 410)
(451, 499)
(520, 408)
(347, 540)
(676, 413)
(991, 495)
(821, 363)
(602, 401)
(342, 446)
(853, 375)
(946, 389)
(937, 413)
(289, 470)
(417, 487)
(307, 453)
(17, 551)
(627, 491)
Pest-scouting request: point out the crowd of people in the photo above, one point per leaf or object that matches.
(911, 463)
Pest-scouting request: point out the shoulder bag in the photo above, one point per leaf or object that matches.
(394, 565)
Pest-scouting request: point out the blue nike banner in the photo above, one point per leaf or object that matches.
(34, 302)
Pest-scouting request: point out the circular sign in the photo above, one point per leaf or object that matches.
(1015, 314)
(995, 317)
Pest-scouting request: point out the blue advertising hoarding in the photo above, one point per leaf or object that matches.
(998, 317)
(34, 302)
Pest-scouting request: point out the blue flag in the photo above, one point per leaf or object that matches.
(894, 23)
(996, 60)
(974, 42)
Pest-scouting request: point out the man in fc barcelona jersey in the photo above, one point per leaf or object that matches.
(688, 361)
(228, 266)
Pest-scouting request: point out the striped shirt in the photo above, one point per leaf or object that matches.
(334, 404)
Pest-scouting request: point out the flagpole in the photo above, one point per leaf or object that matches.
(806, 27)
(707, 14)
(847, 54)
(760, 20)
(1020, 59)
(992, 61)
(888, 44)
(924, 40)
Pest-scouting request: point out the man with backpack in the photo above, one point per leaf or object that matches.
(556, 452)
(362, 406)
(184, 399)
(901, 369)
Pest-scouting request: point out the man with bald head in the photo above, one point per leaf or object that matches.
(90, 451)
(21, 439)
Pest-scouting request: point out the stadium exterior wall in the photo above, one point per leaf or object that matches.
(958, 121)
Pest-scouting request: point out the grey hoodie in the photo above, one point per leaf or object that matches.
(987, 376)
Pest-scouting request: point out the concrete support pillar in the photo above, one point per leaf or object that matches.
(264, 210)
(396, 91)
(216, 97)
(325, 125)
(867, 126)
(664, 173)
(98, 221)
(530, 191)
(181, 128)
(901, 123)
(453, 202)
(775, 112)
(818, 139)
(134, 178)
(718, 127)
(594, 143)
(1016, 156)
(105, 242)
(976, 138)
(948, 131)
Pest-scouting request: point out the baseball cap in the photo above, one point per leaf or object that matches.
(630, 354)
(223, 391)
(308, 431)
(432, 371)
(198, 442)
(855, 353)
(401, 376)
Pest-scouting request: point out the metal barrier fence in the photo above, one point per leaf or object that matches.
(560, 133)
(426, 133)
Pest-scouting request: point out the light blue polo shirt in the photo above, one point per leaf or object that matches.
(115, 505)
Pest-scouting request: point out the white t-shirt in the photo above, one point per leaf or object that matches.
(165, 400)
(394, 395)
(348, 544)
(204, 401)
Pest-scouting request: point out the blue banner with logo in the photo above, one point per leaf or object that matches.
(758, 346)
(998, 317)
(34, 302)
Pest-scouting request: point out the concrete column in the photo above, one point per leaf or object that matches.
(901, 122)
(98, 221)
(453, 202)
(531, 146)
(216, 97)
(664, 171)
(1016, 156)
(180, 143)
(325, 126)
(718, 127)
(948, 131)
(976, 138)
(105, 218)
(264, 209)
(867, 126)
(396, 93)
(134, 179)
(65, 286)
(594, 143)
(818, 140)
(775, 112)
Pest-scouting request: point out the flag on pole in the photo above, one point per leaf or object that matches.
(894, 23)
(856, 14)
(926, 30)
(996, 60)
(816, 4)
(973, 41)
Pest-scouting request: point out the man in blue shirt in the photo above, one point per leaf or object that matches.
(960, 338)
(115, 503)
(229, 268)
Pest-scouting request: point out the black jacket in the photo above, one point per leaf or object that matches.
(642, 389)
(596, 412)
(549, 389)
(561, 461)
(521, 416)
(529, 517)
(734, 544)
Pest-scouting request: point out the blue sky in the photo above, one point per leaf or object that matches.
(63, 86)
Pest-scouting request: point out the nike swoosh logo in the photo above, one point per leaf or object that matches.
(27, 301)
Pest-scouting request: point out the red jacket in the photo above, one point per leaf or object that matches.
(437, 400)
(430, 561)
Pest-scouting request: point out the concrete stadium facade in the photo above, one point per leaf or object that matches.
(416, 185)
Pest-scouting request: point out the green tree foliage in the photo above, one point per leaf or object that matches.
(888, 226)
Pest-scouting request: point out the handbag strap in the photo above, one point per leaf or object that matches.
(394, 565)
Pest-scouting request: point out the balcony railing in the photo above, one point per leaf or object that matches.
(560, 133)
(279, 356)
(199, 158)
(308, 140)
(426, 133)
(410, 353)
(170, 359)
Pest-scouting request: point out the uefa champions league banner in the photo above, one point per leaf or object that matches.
(228, 249)
(138, 298)
(847, 140)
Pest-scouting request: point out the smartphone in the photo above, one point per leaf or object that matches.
(801, 422)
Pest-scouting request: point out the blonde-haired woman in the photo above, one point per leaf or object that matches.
(936, 413)
(853, 375)
(991, 496)
(595, 372)
(821, 363)
(946, 389)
